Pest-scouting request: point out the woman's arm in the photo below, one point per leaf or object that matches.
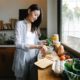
(43, 42)
(34, 46)
(19, 42)
(19, 35)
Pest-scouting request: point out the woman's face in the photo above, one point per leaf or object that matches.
(33, 15)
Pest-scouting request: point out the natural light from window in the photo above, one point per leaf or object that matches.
(70, 24)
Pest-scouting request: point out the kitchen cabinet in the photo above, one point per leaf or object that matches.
(6, 59)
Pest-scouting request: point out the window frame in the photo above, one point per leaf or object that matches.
(67, 48)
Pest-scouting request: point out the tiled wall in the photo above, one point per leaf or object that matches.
(6, 35)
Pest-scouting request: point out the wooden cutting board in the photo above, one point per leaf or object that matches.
(43, 63)
(46, 61)
(52, 57)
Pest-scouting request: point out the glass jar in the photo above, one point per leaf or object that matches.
(55, 37)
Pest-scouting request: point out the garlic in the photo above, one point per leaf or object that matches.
(58, 66)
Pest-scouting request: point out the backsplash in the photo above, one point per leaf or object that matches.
(7, 37)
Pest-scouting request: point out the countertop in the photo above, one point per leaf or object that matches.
(47, 73)
(7, 45)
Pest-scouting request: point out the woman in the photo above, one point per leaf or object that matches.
(27, 44)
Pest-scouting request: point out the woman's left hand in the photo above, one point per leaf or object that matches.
(43, 50)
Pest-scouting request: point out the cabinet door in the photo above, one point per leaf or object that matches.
(10, 55)
(3, 61)
(6, 59)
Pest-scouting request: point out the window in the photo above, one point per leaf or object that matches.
(70, 23)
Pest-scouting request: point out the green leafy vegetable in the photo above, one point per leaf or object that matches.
(76, 66)
(72, 69)
(68, 65)
(49, 42)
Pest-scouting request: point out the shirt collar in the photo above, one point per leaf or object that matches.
(25, 21)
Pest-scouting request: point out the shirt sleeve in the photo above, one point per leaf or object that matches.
(19, 37)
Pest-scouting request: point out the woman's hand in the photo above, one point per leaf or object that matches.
(39, 46)
(43, 42)
(44, 50)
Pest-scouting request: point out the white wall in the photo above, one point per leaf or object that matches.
(51, 17)
(10, 9)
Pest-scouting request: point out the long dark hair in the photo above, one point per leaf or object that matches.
(35, 24)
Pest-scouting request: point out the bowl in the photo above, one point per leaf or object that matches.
(69, 70)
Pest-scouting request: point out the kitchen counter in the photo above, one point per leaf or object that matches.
(6, 60)
(7, 45)
(47, 73)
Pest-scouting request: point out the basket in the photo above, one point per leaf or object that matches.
(71, 74)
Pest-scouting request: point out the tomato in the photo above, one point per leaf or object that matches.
(62, 57)
(68, 57)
